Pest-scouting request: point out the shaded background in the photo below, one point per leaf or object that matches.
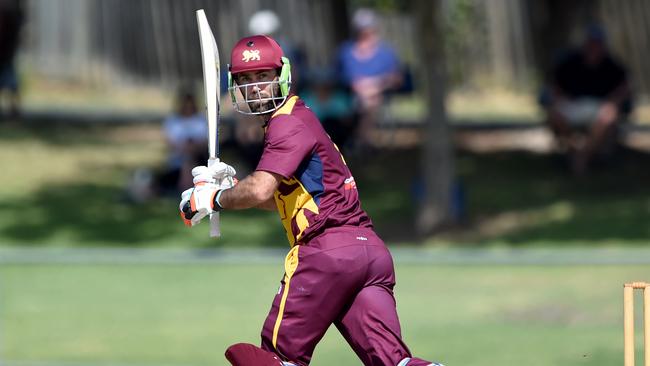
(103, 74)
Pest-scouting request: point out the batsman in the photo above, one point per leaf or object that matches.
(338, 270)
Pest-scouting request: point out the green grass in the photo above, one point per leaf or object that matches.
(188, 314)
(63, 185)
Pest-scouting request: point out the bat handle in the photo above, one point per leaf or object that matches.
(212, 161)
(215, 230)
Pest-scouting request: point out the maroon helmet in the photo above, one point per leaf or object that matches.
(257, 53)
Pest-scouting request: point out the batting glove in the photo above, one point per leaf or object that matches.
(202, 200)
(215, 173)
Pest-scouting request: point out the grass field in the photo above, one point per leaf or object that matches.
(187, 314)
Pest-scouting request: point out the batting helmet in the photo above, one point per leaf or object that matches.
(257, 53)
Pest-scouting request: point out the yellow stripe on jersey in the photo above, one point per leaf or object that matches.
(293, 205)
(290, 266)
(340, 153)
(287, 108)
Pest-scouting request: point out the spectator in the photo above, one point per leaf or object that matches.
(331, 105)
(369, 67)
(588, 100)
(11, 20)
(186, 134)
(267, 22)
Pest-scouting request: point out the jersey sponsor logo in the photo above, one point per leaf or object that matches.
(250, 55)
(362, 238)
(349, 184)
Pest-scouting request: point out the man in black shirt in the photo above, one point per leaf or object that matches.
(589, 98)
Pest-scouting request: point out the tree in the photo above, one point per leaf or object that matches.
(436, 155)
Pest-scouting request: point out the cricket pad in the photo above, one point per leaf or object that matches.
(245, 354)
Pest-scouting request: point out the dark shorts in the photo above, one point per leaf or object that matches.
(344, 277)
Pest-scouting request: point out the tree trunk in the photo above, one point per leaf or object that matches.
(436, 154)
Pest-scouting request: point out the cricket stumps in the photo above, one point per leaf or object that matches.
(628, 321)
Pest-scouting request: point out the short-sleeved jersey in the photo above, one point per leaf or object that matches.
(577, 79)
(317, 190)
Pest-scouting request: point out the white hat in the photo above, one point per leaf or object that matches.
(364, 18)
(264, 22)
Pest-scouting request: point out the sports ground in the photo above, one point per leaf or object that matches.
(533, 277)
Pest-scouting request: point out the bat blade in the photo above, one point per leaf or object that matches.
(211, 83)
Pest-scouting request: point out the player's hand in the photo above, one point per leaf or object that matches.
(215, 173)
(198, 202)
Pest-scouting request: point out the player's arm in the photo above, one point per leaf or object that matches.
(269, 205)
(256, 190)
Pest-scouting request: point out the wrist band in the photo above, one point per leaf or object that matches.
(216, 200)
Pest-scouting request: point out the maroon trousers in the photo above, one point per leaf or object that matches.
(345, 277)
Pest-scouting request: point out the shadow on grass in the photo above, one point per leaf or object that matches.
(82, 215)
(548, 204)
(516, 198)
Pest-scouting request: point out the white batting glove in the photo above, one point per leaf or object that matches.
(199, 201)
(217, 172)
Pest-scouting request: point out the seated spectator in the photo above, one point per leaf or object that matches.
(588, 100)
(186, 134)
(370, 68)
(332, 106)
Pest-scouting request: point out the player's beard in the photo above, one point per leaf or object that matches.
(266, 105)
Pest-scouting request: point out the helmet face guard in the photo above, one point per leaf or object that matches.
(280, 87)
(242, 100)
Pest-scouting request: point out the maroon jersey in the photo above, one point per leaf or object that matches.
(317, 191)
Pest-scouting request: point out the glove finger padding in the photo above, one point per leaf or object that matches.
(199, 169)
(204, 178)
(202, 174)
(185, 197)
(221, 170)
(217, 171)
(184, 206)
(227, 182)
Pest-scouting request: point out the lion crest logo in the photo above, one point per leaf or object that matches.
(250, 55)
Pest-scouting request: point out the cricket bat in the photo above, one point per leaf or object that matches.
(211, 83)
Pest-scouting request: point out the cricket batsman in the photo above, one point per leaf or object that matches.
(338, 270)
